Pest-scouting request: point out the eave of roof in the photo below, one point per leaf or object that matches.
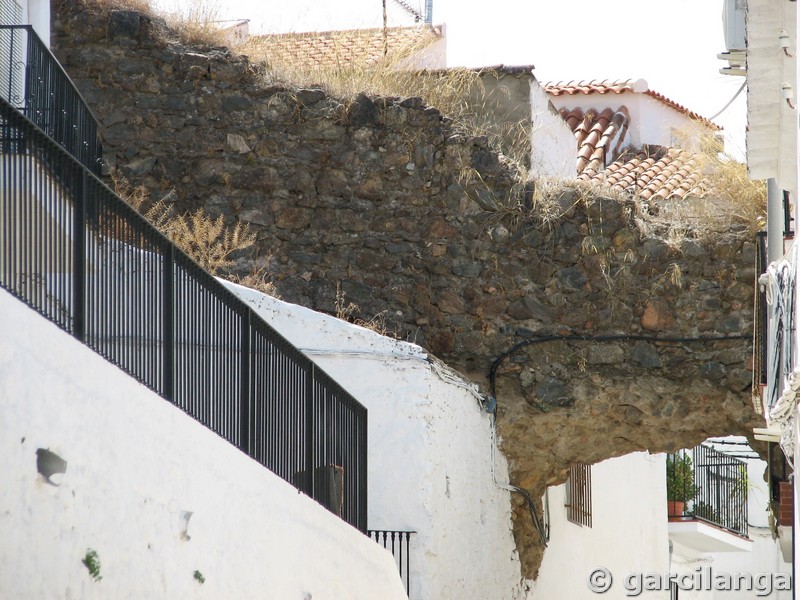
(621, 86)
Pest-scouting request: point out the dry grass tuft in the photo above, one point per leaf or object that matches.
(744, 198)
(103, 7)
(209, 242)
(257, 280)
(158, 213)
(733, 203)
(198, 23)
(347, 311)
(458, 93)
(192, 23)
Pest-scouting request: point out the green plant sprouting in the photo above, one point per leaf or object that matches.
(92, 563)
(680, 478)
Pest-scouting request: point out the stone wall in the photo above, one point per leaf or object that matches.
(424, 224)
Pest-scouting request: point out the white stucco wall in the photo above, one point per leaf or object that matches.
(430, 450)
(136, 466)
(553, 146)
(628, 533)
(39, 17)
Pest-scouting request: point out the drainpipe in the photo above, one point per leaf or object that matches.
(774, 253)
(774, 221)
(429, 12)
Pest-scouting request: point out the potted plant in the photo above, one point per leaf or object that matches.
(680, 483)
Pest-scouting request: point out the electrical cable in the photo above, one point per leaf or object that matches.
(601, 338)
(543, 535)
(724, 108)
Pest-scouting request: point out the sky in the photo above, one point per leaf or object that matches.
(672, 44)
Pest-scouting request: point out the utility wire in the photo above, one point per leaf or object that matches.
(601, 338)
(724, 108)
(537, 522)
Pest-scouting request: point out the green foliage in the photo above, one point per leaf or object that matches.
(705, 511)
(680, 478)
(198, 577)
(92, 563)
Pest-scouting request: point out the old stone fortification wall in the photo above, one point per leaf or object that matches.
(368, 193)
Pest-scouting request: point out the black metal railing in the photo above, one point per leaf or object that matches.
(788, 232)
(79, 255)
(399, 544)
(760, 340)
(708, 485)
(33, 81)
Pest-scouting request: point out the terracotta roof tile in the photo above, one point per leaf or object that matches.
(333, 49)
(596, 134)
(654, 173)
(620, 86)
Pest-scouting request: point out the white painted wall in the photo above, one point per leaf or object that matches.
(135, 466)
(39, 16)
(628, 533)
(553, 147)
(32, 12)
(430, 448)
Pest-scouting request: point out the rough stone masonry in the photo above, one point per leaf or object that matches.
(423, 224)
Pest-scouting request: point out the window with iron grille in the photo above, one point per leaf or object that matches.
(579, 495)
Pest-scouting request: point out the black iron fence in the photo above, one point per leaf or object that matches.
(399, 544)
(33, 81)
(79, 255)
(708, 485)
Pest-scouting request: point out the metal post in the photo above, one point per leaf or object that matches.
(246, 441)
(774, 253)
(79, 260)
(310, 430)
(775, 223)
(787, 216)
(362, 475)
(168, 315)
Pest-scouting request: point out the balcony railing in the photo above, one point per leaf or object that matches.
(33, 81)
(707, 485)
(79, 255)
(399, 544)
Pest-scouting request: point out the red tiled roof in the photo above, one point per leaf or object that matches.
(332, 49)
(595, 134)
(654, 173)
(620, 86)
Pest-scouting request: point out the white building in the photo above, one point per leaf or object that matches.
(762, 46)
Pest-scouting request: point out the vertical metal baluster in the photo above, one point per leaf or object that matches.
(245, 400)
(167, 314)
(79, 263)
